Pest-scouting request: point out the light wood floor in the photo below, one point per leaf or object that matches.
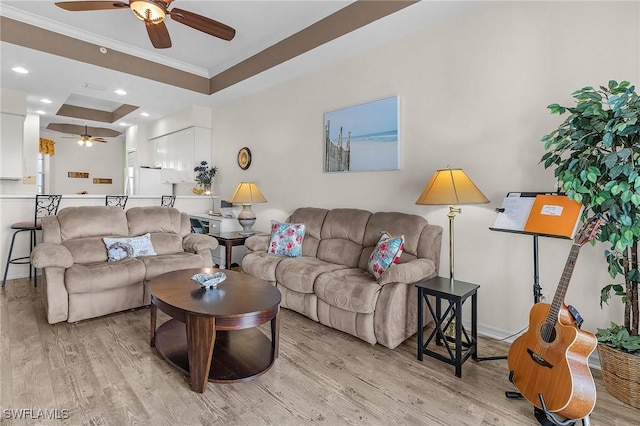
(104, 373)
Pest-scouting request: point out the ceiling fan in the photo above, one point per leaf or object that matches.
(153, 13)
(85, 138)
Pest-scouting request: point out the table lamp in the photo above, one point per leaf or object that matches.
(246, 194)
(452, 187)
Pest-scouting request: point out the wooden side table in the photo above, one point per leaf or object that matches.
(229, 240)
(456, 293)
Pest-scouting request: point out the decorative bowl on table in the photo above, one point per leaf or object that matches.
(209, 281)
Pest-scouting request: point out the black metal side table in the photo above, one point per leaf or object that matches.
(456, 293)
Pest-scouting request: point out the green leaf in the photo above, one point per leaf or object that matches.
(592, 177)
(611, 160)
(635, 199)
(607, 139)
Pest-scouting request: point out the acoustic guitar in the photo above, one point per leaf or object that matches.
(551, 358)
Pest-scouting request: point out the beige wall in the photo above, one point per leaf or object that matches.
(102, 160)
(473, 90)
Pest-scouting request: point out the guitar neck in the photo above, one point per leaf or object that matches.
(563, 285)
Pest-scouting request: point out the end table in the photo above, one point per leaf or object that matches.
(456, 293)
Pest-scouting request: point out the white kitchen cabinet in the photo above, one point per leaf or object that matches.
(11, 146)
(179, 152)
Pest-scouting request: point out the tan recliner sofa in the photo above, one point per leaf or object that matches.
(81, 283)
(329, 283)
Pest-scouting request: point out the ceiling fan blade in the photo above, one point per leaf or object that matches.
(80, 6)
(97, 140)
(159, 35)
(201, 23)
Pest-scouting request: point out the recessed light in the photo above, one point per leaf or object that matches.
(45, 101)
(144, 114)
(20, 70)
(120, 92)
(41, 112)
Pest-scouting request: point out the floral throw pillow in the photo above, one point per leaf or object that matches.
(286, 239)
(386, 253)
(122, 248)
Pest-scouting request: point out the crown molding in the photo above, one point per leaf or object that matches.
(57, 27)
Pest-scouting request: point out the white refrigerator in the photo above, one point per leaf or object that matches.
(147, 182)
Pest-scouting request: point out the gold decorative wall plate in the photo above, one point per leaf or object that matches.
(244, 158)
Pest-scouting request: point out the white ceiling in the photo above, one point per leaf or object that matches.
(258, 25)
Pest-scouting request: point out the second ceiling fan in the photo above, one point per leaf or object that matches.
(153, 13)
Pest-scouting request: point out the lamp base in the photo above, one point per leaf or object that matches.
(246, 219)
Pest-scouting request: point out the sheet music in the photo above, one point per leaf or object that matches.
(515, 211)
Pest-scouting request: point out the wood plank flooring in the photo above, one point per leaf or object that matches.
(103, 372)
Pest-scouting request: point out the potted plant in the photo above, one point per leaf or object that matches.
(596, 155)
(204, 177)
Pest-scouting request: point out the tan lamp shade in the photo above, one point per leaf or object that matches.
(247, 193)
(451, 186)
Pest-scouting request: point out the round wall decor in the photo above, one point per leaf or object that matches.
(244, 158)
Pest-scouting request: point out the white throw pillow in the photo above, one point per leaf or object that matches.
(122, 248)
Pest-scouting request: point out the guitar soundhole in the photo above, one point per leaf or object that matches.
(548, 332)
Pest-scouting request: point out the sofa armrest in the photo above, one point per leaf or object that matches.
(46, 255)
(197, 243)
(409, 272)
(258, 242)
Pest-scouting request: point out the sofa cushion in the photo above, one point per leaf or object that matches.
(342, 235)
(396, 224)
(87, 250)
(300, 273)
(262, 265)
(350, 289)
(386, 253)
(313, 219)
(167, 243)
(154, 219)
(101, 276)
(92, 221)
(286, 239)
(156, 265)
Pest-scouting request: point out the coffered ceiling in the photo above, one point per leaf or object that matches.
(78, 59)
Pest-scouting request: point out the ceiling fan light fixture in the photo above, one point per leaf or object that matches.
(148, 11)
(88, 143)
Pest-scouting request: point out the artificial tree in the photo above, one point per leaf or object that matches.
(596, 155)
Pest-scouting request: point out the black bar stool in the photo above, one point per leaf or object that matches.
(46, 205)
(167, 201)
(116, 200)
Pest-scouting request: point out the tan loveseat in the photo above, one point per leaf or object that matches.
(329, 283)
(81, 283)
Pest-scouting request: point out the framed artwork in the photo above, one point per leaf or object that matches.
(244, 158)
(363, 137)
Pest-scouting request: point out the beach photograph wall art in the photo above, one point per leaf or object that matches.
(363, 137)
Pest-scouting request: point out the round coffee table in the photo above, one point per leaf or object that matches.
(212, 336)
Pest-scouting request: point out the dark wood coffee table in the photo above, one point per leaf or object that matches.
(212, 336)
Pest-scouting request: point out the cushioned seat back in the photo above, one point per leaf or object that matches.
(313, 219)
(342, 236)
(395, 224)
(165, 224)
(80, 230)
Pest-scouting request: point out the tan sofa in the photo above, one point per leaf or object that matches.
(329, 283)
(81, 283)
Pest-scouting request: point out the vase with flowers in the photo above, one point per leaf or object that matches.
(204, 176)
